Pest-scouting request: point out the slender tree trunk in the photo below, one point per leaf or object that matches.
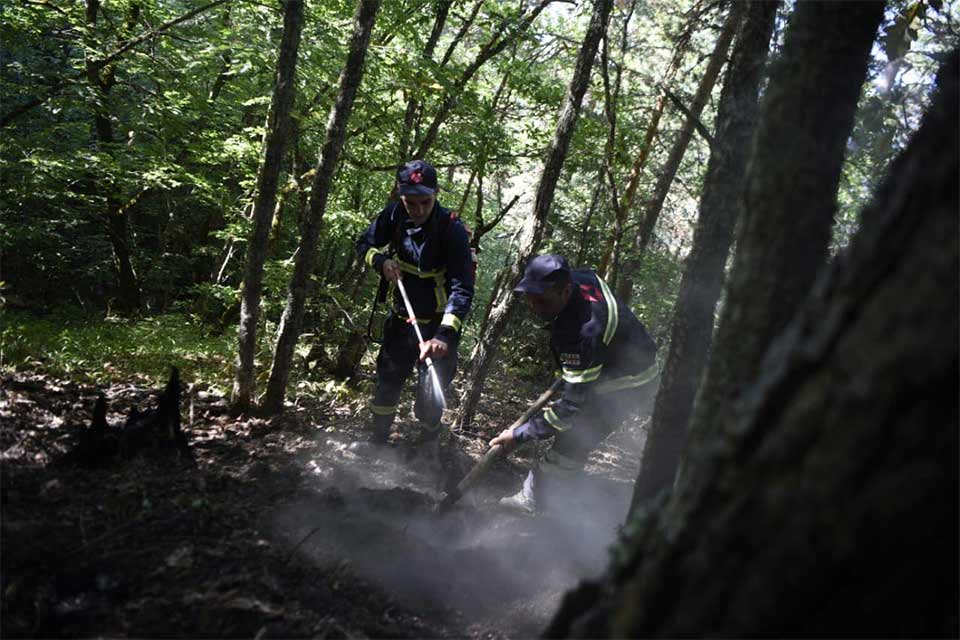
(534, 226)
(610, 102)
(496, 44)
(101, 79)
(790, 194)
(274, 144)
(640, 162)
(693, 317)
(292, 320)
(651, 212)
(351, 350)
(584, 236)
(831, 509)
(413, 103)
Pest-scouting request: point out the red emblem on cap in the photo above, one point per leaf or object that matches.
(416, 177)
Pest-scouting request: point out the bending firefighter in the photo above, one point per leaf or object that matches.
(608, 363)
(420, 241)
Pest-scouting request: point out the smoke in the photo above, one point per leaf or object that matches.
(501, 570)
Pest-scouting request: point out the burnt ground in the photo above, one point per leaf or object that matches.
(282, 527)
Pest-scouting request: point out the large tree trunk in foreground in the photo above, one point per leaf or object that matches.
(533, 227)
(790, 195)
(703, 275)
(291, 323)
(651, 213)
(275, 139)
(832, 508)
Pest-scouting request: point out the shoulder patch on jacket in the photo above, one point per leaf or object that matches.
(591, 293)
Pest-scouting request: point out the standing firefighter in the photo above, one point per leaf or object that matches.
(609, 365)
(423, 243)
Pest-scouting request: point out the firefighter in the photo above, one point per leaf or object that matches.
(609, 369)
(420, 241)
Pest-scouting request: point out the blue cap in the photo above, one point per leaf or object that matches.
(543, 273)
(417, 178)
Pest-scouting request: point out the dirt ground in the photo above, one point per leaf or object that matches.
(285, 527)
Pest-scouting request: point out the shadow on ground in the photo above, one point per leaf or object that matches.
(280, 528)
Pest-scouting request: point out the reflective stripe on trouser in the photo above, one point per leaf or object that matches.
(398, 354)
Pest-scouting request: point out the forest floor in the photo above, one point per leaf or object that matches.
(283, 527)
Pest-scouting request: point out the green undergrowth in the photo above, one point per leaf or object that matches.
(102, 350)
(96, 350)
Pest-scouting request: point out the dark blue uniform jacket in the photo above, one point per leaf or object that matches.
(601, 347)
(436, 262)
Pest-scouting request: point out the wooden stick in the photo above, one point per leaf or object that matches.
(481, 468)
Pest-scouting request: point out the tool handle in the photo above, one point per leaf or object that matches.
(537, 404)
(495, 451)
(410, 313)
(416, 326)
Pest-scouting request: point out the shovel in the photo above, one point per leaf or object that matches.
(413, 319)
(480, 469)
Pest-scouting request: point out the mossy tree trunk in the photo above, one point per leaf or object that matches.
(533, 229)
(274, 144)
(830, 508)
(703, 273)
(790, 196)
(291, 322)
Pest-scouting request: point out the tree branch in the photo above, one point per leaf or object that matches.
(96, 65)
(701, 128)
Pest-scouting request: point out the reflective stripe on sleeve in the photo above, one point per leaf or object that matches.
(369, 257)
(554, 421)
(451, 320)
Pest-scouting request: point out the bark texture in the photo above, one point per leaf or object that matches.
(291, 323)
(790, 194)
(703, 274)
(831, 509)
(533, 228)
(274, 145)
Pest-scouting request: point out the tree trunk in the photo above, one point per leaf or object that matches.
(640, 162)
(831, 509)
(101, 79)
(651, 212)
(693, 316)
(496, 44)
(413, 104)
(292, 320)
(611, 100)
(583, 240)
(274, 143)
(534, 226)
(790, 194)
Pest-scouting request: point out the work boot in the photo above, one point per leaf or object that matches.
(522, 501)
(380, 430)
(429, 449)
